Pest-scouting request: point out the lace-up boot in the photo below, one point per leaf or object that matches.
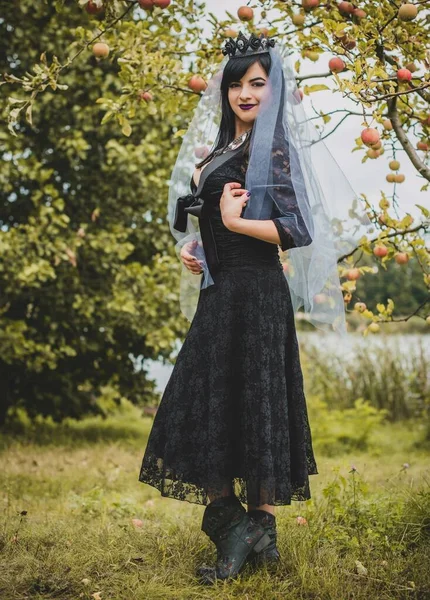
(234, 533)
(269, 557)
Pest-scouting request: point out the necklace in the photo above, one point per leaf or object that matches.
(234, 144)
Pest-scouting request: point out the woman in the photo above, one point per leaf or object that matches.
(232, 425)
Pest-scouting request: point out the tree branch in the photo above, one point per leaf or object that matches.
(403, 139)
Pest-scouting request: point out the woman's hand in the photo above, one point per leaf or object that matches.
(190, 261)
(233, 199)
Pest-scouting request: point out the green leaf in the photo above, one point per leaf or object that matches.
(126, 128)
(318, 87)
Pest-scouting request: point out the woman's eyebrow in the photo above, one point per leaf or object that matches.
(253, 79)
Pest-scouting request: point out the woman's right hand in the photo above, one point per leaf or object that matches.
(190, 261)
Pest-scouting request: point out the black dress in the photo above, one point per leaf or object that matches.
(233, 414)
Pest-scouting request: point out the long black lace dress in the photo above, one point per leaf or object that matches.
(233, 414)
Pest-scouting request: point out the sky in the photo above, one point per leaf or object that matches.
(369, 177)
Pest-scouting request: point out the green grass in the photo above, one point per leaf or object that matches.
(78, 484)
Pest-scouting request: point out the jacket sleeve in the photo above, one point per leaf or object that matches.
(290, 224)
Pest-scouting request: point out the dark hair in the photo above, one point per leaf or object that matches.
(234, 70)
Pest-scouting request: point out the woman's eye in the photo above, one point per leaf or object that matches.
(260, 84)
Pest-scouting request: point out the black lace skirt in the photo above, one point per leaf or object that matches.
(233, 415)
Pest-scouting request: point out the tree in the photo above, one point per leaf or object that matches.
(94, 128)
(86, 286)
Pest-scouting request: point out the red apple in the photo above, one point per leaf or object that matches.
(370, 136)
(197, 83)
(201, 152)
(310, 4)
(345, 8)
(298, 95)
(353, 274)
(404, 75)
(162, 3)
(92, 8)
(359, 13)
(422, 146)
(336, 64)
(380, 251)
(245, 13)
(147, 96)
(401, 258)
(101, 50)
(146, 4)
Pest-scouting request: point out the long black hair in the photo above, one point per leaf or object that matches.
(234, 70)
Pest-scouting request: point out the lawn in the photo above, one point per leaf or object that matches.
(76, 523)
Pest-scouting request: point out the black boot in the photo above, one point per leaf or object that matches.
(234, 533)
(269, 557)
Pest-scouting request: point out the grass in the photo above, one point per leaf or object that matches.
(70, 494)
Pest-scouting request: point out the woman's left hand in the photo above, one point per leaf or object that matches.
(233, 199)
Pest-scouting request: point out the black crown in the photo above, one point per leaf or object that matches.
(246, 47)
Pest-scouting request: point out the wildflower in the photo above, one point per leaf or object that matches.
(405, 466)
(353, 469)
(301, 521)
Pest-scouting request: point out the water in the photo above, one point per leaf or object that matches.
(395, 344)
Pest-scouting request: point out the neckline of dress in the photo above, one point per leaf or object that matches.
(206, 165)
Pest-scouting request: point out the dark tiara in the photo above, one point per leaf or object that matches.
(246, 47)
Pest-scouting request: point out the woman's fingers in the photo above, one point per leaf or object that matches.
(191, 262)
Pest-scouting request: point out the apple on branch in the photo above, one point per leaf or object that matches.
(370, 136)
(100, 50)
(380, 251)
(401, 258)
(407, 12)
(245, 13)
(197, 83)
(336, 64)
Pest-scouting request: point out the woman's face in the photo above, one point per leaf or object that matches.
(245, 95)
